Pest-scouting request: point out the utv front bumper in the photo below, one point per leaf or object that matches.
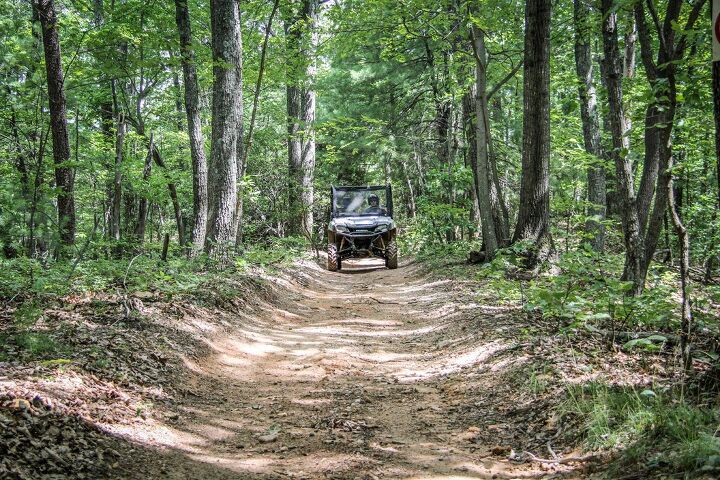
(361, 243)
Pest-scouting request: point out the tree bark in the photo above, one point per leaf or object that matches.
(225, 28)
(661, 75)
(630, 40)
(64, 174)
(116, 198)
(301, 38)
(481, 172)
(684, 241)
(468, 109)
(197, 142)
(143, 205)
(533, 215)
(596, 182)
(634, 246)
(251, 128)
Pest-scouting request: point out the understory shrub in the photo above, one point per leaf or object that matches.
(649, 428)
(588, 290)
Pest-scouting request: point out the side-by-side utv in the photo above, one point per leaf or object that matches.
(361, 225)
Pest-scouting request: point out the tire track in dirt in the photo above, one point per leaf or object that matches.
(354, 374)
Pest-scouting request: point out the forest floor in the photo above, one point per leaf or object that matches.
(366, 373)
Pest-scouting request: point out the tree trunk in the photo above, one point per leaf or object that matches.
(533, 215)
(591, 128)
(634, 248)
(143, 205)
(301, 37)
(684, 241)
(481, 172)
(468, 108)
(242, 167)
(630, 40)
(64, 174)
(192, 111)
(116, 197)
(240, 148)
(225, 26)
(661, 75)
(172, 189)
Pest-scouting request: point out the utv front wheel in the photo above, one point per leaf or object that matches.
(333, 259)
(391, 254)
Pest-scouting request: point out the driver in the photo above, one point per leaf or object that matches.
(374, 207)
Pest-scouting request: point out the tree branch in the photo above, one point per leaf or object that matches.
(505, 79)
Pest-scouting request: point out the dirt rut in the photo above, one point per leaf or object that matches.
(365, 373)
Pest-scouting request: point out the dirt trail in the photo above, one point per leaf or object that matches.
(365, 373)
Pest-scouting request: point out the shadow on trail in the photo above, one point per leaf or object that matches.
(367, 375)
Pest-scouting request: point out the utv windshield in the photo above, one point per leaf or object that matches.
(355, 201)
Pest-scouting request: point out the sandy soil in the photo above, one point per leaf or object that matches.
(365, 373)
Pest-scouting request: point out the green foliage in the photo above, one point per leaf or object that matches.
(647, 427)
(143, 272)
(588, 290)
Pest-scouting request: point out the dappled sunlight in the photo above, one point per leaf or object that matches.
(458, 362)
(335, 374)
(250, 465)
(340, 331)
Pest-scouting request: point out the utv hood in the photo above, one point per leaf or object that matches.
(365, 222)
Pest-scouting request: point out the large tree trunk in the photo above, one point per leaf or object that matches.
(301, 37)
(240, 150)
(192, 111)
(225, 25)
(64, 174)
(481, 172)
(596, 183)
(534, 212)
(634, 248)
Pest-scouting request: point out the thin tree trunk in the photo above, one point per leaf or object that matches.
(591, 128)
(192, 111)
(534, 212)
(172, 190)
(117, 181)
(684, 241)
(143, 205)
(251, 127)
(480, 165)
(225, 27)
(301, 34)
(634, 247)
(412, 209)
(64, 174)
(630, 40)
(468, 108)
(662, 79)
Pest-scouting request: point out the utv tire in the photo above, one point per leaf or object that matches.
(391, 255)
(333, 259)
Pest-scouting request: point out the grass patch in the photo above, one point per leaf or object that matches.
(650, 430)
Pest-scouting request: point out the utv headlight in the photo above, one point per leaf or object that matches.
(341, 228)
(381, 228)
